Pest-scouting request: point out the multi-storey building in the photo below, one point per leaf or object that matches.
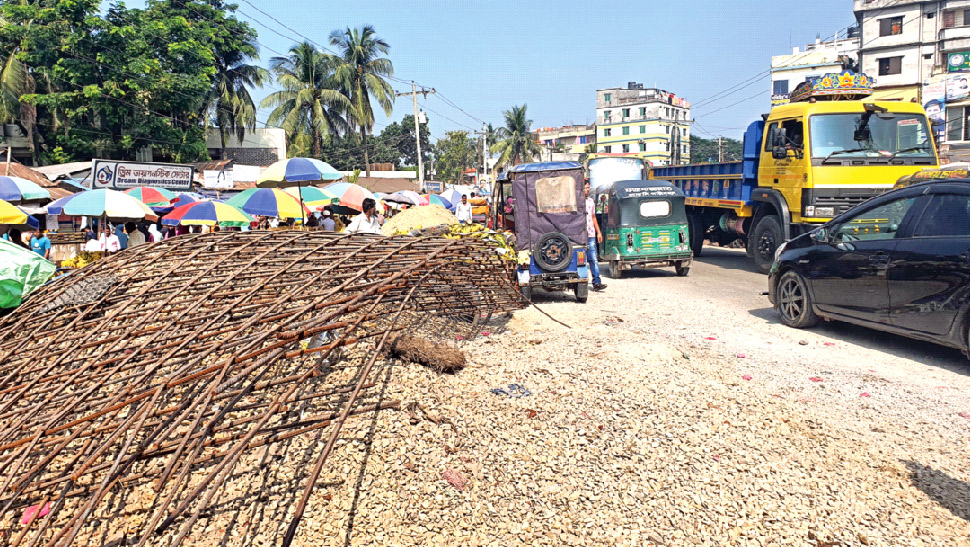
(819, 58)
(574, 138)
(650, 122)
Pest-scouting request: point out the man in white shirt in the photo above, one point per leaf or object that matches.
(327, 223)
(109, 241)
(366, 222)
(463, 211)
(135, 236)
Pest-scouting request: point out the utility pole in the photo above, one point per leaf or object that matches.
(485, 143)
(720, 149)
(414, 101)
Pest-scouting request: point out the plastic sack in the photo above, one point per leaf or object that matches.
(21, 272)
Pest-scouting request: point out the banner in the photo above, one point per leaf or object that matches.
(957, 87)
(958, 62)
(221, 180)
(122, 175)
(933, 95)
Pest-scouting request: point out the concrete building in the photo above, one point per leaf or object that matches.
(261, 146)
(574, 138)
(820, 58)
(653, 123)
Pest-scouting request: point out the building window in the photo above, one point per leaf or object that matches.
(607, 97)
(607, 149)
(957, 18)
(667, 146)
(889, 65)
(643, 147)
(583, 139)
(780, 87)
(643, 111)
(607, 132)
(891, 26)
(626, 113)
(957, 123)
(625, 148)
(606, 115)
(643, 129)
(667, 129)
(626, 130)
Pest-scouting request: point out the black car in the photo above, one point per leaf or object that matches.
(898, 263)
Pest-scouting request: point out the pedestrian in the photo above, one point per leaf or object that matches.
(16, 237)
(154, 235)
(122, 236)
(594, 237)
(135, 236)
(274, 223)
(463, 211)
(89, 235)
(40, 244)
(108, 241)
(367, 221)
(327, 221)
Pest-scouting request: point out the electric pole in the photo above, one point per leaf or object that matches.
(414, 101)
(720, 149)
(485, 138)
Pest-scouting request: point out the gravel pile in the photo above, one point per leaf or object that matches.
(415, 218)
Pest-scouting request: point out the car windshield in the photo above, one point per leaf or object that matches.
(604, 171)
(847, 136)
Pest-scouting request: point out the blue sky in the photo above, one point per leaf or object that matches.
(486, 56)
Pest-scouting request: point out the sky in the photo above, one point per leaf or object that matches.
(486, 56)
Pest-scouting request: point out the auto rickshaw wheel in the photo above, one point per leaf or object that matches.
(553, 252)
(681, 269)
(581, 290)
(616, 269)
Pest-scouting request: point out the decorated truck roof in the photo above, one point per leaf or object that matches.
(834, 86)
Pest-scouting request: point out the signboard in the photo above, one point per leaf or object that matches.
(122, 175)
(434, 186)
(933, 97)
(220, 180)
(957, 87)
(958, 62)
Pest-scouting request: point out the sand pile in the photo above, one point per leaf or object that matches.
(417, 218)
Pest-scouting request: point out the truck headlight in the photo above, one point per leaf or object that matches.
(820, 211)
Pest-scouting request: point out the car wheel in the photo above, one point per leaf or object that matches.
(581, 290)
(616, 269)
(553, 252)
(681, 269)
(793, 302)
(766, 238)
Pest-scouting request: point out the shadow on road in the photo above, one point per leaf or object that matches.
(950, 493)
(894, 344)
(729, 259)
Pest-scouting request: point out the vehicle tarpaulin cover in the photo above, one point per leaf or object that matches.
(549, 201)
(21, 271)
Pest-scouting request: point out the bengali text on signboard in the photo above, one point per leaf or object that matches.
(124, 175)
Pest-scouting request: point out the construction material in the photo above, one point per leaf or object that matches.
(129, 410)
(417, 218)
(438, 356)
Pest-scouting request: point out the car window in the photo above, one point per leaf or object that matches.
(946, 215)
(881, 222)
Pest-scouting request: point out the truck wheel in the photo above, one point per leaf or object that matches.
(616, 270)
(581, 290)
(696, 234)
(793, 302)
(681, 269)
(527, 292)
(765, 240)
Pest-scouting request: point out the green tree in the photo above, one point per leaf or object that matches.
(517, 143)
(402, 138)
(453, 155)
(360, 72)
(706, 150)
(309, 106)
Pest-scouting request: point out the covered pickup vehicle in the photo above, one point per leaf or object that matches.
(546, 202)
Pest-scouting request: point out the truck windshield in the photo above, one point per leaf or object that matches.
(604, 171)
(897, 135)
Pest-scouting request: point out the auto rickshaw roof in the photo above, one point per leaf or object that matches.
(644, 188)
(544, 166)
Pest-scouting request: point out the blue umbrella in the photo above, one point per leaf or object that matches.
(18, 189)
(284, 172)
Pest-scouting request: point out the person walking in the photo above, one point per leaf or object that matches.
(367, 221)
(594, 236)
(40, 244)
(463, 211)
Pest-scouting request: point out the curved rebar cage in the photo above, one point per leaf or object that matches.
(132, 389)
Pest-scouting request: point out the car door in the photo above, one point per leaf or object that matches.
(848, 273)
(928, 273)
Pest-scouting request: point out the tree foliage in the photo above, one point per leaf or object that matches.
(706, 150)
(517, 144)
(453, 154)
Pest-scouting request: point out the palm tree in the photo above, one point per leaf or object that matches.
(15, 82)
(360, 72)
(228, 101)
(518, 143)
(309, 106)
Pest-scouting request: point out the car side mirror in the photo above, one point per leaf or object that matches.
(779, 153)
(820, 235)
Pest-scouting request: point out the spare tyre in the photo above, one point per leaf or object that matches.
(552, 252)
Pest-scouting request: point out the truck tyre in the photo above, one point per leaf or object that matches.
(527, 292)
(696, 234)
(765, 240)
(581, 290)
(616, 269)
(793, 302)
(681, 269)
(553, 252)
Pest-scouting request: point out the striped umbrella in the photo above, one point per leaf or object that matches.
(102, 202)
(207, 213)
(159, 199)
(452, 195)
(271, 202)
(12, 215)
(186, 198)
(351, 195)
(434, 199)
(291, 171)
(15, 189)
(312, 196)
(407, 197)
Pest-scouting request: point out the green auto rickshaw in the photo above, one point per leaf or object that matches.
(644, 226)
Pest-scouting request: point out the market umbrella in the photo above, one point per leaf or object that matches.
(186, 198)
(453, 196)
(294, 170)
(434, 199)
(14, 189)
(312, 196)
(271, 202)
(156, 198)
(102, 202)
(12, 215)
(207, 213)
(405, 196)
(351, 195)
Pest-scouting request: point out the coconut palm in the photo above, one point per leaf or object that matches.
(518, 143)
(360, 71)
(309, 107)
(228, 101)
